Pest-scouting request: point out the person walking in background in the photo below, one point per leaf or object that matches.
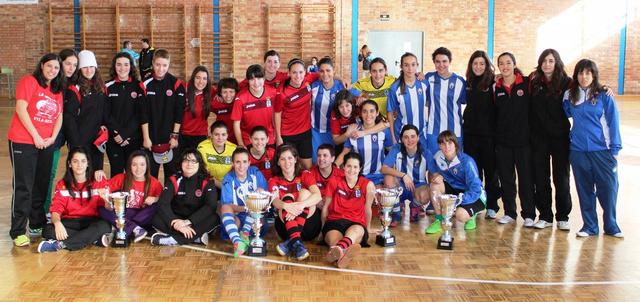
(146, 59)
(365, 56)
(128, 48)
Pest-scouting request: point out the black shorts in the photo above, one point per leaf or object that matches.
(342, 225)
(311, 230)
(471, 208)
(302, 142)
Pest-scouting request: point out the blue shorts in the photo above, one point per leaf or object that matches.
(318, 139)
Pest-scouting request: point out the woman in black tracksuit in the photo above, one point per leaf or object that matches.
(513, 153)
(84, 108)
(479, 126)
(122, 111)
(550, 139)
(187, 206)
(163, 110)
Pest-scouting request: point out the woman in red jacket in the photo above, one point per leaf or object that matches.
(196, 111)
(74, 210)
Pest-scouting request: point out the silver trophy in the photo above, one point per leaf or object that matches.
(448, 205)
(119, 202)
(257, 203)
(388, 199)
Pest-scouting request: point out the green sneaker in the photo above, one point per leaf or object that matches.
(435, 227)
(471, 223)
(21, 240)
(240, 248)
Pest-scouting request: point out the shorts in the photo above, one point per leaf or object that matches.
(471, 208)
(302, 142)
(311, 230)
(342, 225)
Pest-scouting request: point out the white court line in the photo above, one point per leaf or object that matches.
(418, 277)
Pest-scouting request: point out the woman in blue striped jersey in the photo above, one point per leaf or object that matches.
(371, 146)
(406, 165)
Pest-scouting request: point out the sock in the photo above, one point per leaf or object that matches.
(229, 223)
(292, 227)
(302, 218)
(344, 243)
(247, 224)
(439, 217)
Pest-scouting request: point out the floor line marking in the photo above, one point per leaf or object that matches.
(418, 277)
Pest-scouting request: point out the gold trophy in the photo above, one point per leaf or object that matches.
(388, 199)
(257, 203)
(448, 205)
(119, 201)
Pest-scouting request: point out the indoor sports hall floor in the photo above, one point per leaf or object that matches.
(491, 263)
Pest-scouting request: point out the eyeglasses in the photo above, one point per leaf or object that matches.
(190, 161)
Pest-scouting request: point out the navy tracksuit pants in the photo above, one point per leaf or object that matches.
(596, 175)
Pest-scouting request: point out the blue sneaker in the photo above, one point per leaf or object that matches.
(283, 248)
(300, 250)
(48, 246)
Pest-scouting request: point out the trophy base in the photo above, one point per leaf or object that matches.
(445, 245)
(386, 241)
(257, 251)
(120, 242)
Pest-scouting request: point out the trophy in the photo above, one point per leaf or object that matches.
(119, 201)
(388, 199)
(448, 204)
(257, 203)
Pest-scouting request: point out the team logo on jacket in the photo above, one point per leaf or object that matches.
(276, 84)
(520, 92)
(169, 92)
(451, 85)
(227, 160)
(374, 138)
(454, 171)
(357, 192)
(419, 91)
(298, 186)
(332, 96)
(198, 193)
(267, 165)
(268, 102)
(134, 94)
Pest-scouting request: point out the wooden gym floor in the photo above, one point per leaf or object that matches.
(491, 263)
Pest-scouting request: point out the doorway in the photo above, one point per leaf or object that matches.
(391, 45)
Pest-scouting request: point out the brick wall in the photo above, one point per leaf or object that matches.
(524, 28)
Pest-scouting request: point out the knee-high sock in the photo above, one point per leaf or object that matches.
(229, 223)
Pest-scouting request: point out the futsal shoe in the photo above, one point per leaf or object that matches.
(283, 248)
(300, 250)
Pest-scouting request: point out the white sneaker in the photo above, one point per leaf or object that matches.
(582, 234)
(541, 224)
(564, 226)
(505, 219)
(491, 214)
(618, 235)
(529, 223)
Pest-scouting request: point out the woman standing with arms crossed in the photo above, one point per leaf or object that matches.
(595, 143)
(550, 139)
(34, 127)
(479, 126)
(512, 100)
